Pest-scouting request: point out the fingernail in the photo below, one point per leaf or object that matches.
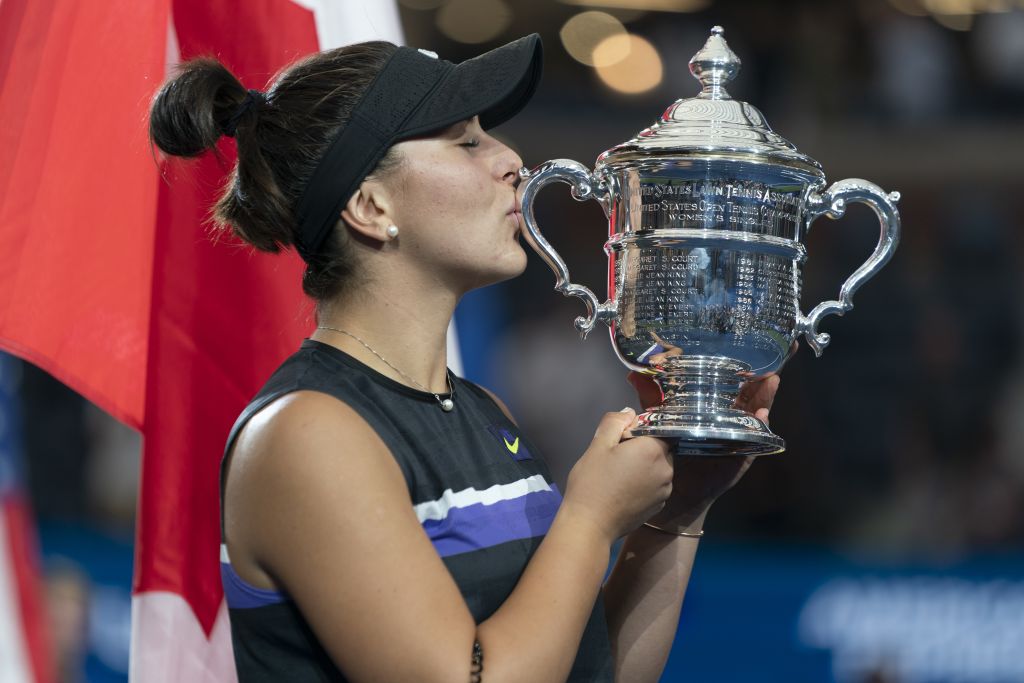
(627, 409)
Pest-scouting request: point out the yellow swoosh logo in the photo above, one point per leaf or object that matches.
(512, 447)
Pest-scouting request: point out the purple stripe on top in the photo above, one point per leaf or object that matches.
(482, 526)
(243, 595)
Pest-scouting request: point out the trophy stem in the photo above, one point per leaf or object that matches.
(697, 412)
(701, 385)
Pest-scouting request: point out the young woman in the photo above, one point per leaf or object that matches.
(383, 519)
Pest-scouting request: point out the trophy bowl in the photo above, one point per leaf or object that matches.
(707, 212)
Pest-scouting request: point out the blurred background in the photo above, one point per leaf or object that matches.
(887, 543)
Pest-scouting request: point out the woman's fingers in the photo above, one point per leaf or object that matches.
(610, 429)
(758, 396)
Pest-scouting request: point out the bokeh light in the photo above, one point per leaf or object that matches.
(474, 21)
(639, 72)
(957, 22)
(585, 31)
(961, 7)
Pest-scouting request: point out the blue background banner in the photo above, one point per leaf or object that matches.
(752, 613)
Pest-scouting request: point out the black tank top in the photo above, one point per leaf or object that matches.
(479, 488)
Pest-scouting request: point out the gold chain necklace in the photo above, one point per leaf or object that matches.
(447, 404)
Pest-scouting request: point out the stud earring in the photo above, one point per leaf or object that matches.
(392, 231)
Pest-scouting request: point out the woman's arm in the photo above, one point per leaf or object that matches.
(315, 504)
(643, 599)
(644, 593)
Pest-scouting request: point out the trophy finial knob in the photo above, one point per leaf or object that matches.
(714, 66)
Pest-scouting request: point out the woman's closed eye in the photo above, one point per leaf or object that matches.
(470, 143)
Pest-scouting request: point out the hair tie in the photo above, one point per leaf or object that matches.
(251, 98)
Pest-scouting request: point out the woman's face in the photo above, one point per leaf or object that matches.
(454, 202)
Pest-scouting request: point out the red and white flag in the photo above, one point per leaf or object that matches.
(109, 279)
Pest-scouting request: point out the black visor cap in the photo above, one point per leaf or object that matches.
(496, 86)
(414, 94)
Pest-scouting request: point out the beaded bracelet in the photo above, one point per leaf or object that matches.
(475, 673)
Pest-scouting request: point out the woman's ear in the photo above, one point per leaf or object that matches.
(368, 212)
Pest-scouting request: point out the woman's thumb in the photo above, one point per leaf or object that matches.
(609, 430)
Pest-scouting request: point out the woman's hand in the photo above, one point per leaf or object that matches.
(618, 483)
(699, 481)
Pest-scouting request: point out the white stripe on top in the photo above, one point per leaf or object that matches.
(14, 654)
(438, 509)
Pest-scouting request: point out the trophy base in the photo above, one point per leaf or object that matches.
(727, 432)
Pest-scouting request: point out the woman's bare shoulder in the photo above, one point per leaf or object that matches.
(301, 437)
(299, 416)
(281, 456)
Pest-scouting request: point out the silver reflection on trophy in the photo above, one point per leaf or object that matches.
(707, 210)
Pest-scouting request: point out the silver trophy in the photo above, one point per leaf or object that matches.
(707, 211)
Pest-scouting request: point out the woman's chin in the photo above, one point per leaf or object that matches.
(519, 261)
(510, 265)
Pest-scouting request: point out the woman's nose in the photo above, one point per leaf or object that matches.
(513, 177)
(510, 164)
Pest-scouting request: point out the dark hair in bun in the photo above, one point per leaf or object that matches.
(281, 136)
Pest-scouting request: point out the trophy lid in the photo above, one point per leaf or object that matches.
(712, 124)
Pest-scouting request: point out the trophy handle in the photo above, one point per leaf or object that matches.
(585, 185)
(832, 203)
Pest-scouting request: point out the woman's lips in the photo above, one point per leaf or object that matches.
(515, 215)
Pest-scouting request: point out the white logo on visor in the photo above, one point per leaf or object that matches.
(428, 53)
